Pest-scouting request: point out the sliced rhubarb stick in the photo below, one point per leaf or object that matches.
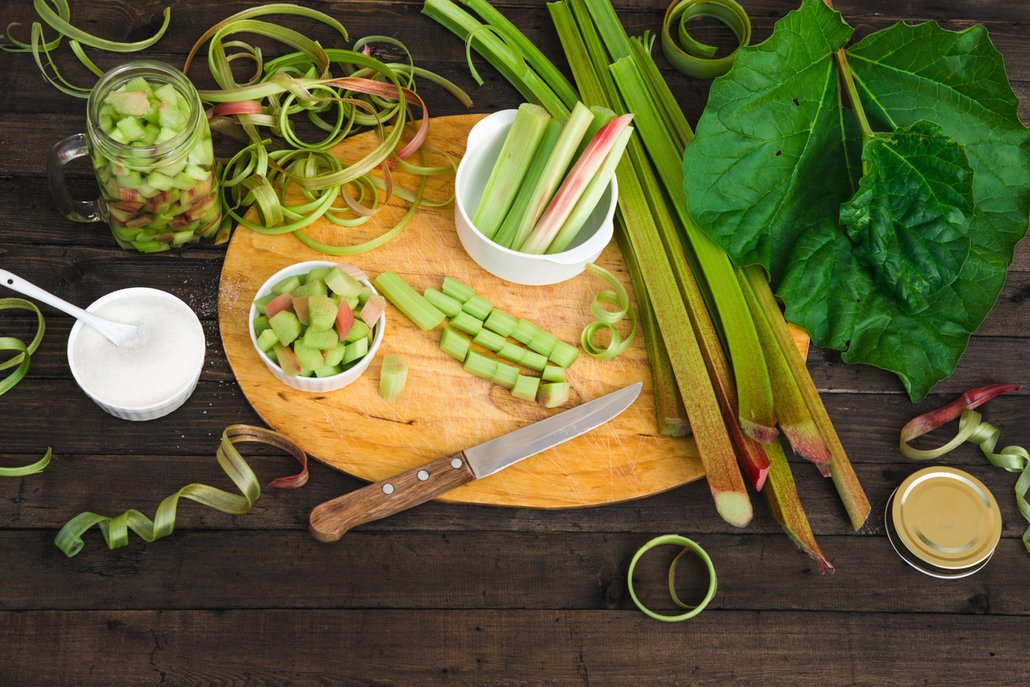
(591, 196)
(576, 182)
(517, 153)
(792, 412)
(844, 478)
(576, 199)
(781, 493)
(506, 233)
(554, 171)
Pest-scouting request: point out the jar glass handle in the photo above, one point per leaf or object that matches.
(61, 154)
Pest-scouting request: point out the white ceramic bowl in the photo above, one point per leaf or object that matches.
(484, 145)
(82, 365)
(313, 384)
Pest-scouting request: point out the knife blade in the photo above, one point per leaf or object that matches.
(331, 520)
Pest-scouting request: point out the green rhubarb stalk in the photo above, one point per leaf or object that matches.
(506, 234)
(781, 493)
(549, 74)
(591, 196)
(504, 54)
(682, 345)
(580, 37)
(699, 398)
(573, 188)
(671, 110)
(602, 115)
(510, 169)
(754, 389)
(554, 171)
(791, 410)
(844, 478)
(668, 405)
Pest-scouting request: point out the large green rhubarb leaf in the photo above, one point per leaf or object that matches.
(909, 221)
(896, 270)
(772, 125)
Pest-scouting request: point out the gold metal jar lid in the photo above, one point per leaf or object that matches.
(946, 518)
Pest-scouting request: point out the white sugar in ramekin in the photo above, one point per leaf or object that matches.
(151, 377)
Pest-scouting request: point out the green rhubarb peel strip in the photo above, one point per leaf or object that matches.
(688, 545)
(606, 319)
(973, 429)
(116, 530)
(30, 469)
(20, 362)
(22, 352)
(56, 14)
(291, 181)
(686, 53)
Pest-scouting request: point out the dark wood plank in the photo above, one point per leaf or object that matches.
(111, 484)
(493, 648)
(487, 570)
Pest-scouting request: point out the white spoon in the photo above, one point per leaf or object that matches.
(117, 333)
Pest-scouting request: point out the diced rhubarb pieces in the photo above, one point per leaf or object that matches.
(281, 302)
(300, 307)
(344, 320)
(322, 312)
(343, 284)
(334, 356)
(129, 103)
(287, 360)
(309, 357)
(267, 340)
(322, 340)
(373, 309)
(286, 326)
(359, 330)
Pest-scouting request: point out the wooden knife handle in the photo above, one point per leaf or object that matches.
(331, 520)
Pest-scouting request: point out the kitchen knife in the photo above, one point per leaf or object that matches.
(330, 520)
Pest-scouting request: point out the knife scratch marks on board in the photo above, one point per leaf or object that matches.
(569, 480)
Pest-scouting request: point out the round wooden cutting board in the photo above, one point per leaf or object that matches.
(443, 408)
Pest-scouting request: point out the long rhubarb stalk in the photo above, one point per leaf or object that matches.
(792, 412)
(498, 52)
(549, 74)
(844, 478)
(781, 493)
(650, 232)
(580, 37)
(573, 188)
(754, 391)
(669, 411)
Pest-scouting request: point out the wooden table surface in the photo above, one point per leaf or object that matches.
(446, 594)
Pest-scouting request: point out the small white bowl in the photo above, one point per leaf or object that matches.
(190, 342)
(484, 145)
(313, 384)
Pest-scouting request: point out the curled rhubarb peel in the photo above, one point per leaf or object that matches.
(927, 422)
(973, 429)
(20, 362)
(116, 530)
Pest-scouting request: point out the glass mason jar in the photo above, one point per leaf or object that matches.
(149, 141)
